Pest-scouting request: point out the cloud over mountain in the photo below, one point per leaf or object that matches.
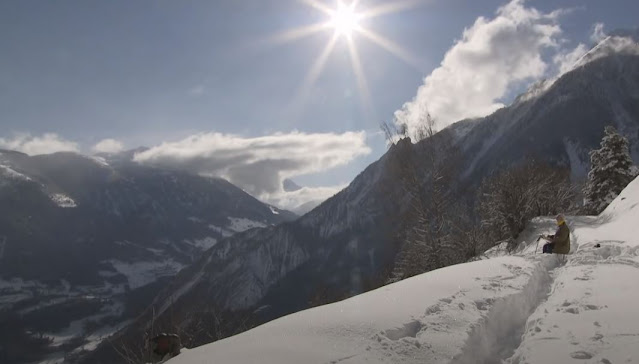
(34, 145)
(492, 56)
(259, 165)
(109, 146)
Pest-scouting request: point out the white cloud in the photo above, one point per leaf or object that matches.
(259, 165)
(109, 146)
(597, 33)
(46, 144)
(303, 200)
(492, 56)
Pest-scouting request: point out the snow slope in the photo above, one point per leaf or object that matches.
(422, 319)
(523, 308)
(591, 315)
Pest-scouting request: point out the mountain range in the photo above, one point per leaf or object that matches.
(87, 242)
(347, 245)
(90, 245)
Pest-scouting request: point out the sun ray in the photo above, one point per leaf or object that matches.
(313, 74)
(389, 8)
(297, 33)
(391, 47)
(318, 66)
(319, 6)
(362, 83)
(344, 20)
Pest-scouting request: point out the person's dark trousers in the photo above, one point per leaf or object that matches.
(548, 248)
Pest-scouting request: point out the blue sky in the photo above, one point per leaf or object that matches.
(148, 72)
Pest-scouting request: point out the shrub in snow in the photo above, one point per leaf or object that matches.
(611, 171)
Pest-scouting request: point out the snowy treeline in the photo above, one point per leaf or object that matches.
(435, 221)
(441, 229)
(611, 171)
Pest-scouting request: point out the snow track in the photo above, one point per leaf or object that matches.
(500, 332)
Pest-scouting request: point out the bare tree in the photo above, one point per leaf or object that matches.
(509, 199)
(425, 171)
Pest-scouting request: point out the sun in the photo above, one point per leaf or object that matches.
(344, 20)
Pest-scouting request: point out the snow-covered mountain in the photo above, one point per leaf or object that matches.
(347, 245)
(522, 308)
(562, 120)
(91, 241)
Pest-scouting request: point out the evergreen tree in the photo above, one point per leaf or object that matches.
(611, 171)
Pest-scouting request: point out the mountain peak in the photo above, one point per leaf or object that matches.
(290, 186)
(619, 42)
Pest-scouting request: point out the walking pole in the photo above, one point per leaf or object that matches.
(537, 247)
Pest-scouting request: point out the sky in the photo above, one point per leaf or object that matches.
(227, 87)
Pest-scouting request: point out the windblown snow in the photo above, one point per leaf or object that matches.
(520, 308)
(8, 172)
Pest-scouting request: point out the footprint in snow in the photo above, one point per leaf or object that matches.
(581, 355)
(484, 305)
(410, 329)
(433, 309)
(597, 337)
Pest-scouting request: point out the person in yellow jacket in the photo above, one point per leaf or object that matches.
(559, 243)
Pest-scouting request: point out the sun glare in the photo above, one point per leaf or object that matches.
(344, 19)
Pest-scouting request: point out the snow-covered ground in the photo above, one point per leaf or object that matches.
(63, 200)
(522, 308)
(592, 315)
(140, 274)
(239, 224)
(225, 233)
(203, 244)
(236, 225)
